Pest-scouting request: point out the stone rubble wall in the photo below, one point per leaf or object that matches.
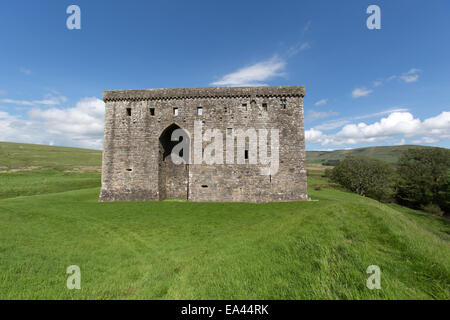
(132, 167)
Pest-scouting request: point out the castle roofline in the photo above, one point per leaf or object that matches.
(209, 92)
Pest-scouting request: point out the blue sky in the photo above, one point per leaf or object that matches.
(363, 87)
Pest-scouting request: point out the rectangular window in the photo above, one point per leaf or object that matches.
(229, 130)
(152, 111)
(129, 112)
(199, 111)
(264, 105)
(283, 103)
(244, 105)
(246, 154)
(175, 111)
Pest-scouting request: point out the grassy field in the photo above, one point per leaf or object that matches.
(19, 155)
(389, 154)
(181, 250)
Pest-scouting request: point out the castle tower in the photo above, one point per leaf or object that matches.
(140, 126)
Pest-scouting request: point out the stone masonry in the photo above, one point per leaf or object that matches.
(137, 164)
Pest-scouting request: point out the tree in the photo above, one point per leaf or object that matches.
(424, 178)
(364, 176)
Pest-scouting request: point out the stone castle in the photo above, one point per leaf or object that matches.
(138, 143)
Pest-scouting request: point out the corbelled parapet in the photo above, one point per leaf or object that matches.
(195, 93)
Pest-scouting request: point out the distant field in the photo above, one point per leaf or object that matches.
(22, 154)
(50, 218)
(29, 169)
(389, 154)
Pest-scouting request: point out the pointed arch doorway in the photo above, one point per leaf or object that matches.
(173, 177)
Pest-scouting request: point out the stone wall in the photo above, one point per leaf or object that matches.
(133, 165)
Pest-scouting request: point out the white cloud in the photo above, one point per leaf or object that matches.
(361, 92)
(25, 71)
(397, 124)
(314, 135)
(321, 102)
(314, 115)
(425, 140)
(391, 78)
(410, 76)
(299, 47)
(48, 100)
(337, 123)
(255, 74)
(80, 126)
(401, 142)
(381, 113)
(377, 83)
(439, 125)
(332, 124)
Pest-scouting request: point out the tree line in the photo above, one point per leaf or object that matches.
(420, 180)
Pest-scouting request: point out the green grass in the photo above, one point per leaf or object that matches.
(176, 250)
(46, 180)
(389, 154)
(22, 154)
(182, 250)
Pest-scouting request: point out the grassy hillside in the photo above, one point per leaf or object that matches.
(180, 250)
(30, 169)
(389, 154)
(22, 154)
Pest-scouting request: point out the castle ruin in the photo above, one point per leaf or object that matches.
(138, 143)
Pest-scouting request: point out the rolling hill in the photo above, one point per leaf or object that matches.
(389, 154)
(23, 154)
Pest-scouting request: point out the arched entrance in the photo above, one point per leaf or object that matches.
(174, 176)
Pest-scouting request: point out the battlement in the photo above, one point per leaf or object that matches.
(198, 93)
